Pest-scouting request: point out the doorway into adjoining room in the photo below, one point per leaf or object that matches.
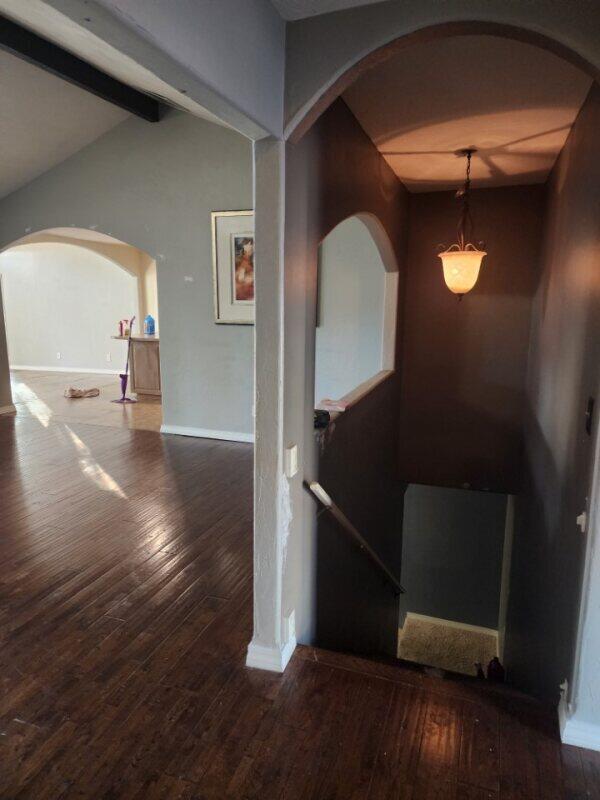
(81, 311)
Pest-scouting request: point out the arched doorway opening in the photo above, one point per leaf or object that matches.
(313, 99)
(66, 292)
(317, 151)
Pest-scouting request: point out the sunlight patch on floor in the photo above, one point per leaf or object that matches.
(92, 470)
(36, 407)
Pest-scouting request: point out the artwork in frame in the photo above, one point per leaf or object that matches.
(233, 266)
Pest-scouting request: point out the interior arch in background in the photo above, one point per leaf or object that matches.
(131, 259)
(357, 302)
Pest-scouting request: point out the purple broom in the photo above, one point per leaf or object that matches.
(124, 376)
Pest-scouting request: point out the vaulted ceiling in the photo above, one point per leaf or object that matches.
(44, 121)
(514, 102)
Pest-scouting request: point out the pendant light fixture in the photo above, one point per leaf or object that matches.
(461, 261)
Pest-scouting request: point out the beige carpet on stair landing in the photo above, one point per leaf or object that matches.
(437, 644)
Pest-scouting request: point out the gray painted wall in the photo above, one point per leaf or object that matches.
(452, 542)
(154, 186)
(349, 335)
(68, 300)
(564, 370)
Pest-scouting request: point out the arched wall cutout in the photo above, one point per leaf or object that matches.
(366, 326)
(311, 110)
(390, 307)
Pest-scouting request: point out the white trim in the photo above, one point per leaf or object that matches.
(273, 659)
(390, 320)
(577, 733)
(207, 433)
(17, 367)
(509, 533)
(219, 311)
(592, 542)
(355, 395)
(9, 409)
(450, 623)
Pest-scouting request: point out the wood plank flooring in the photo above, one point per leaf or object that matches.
(125, 587)
(40, 395)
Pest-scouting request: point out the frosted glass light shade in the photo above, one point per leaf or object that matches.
(461, 268)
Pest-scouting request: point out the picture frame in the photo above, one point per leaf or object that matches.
(233, 266)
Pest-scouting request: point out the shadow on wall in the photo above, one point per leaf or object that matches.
(486, 442)
(546, 574)
(452, 547)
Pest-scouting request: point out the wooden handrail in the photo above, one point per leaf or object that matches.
(328, 505)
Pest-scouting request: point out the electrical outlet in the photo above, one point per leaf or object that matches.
(108, 357)
(58, 356)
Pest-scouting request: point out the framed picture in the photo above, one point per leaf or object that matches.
(233, 266)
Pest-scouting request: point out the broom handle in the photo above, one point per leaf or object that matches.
(131, 321)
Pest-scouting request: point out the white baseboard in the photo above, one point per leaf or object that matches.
(574, 731)
(9, 409)
(579, 734)
(207, 433)
(17, 367)
(273, 659)
(450, 623)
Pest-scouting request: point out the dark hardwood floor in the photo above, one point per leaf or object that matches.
(125, 584)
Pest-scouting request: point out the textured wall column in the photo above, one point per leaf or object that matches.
(270, 647)
(6, 403)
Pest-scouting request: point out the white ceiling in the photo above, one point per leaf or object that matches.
(299, 9)
(512, 101)
(44, 120)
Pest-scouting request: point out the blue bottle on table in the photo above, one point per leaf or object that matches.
(149, 326)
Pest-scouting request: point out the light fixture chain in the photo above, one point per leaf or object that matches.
(465, 216)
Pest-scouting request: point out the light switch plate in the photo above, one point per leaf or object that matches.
(289, 627)
(291, 460)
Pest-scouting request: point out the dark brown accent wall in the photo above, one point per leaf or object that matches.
(564, 371)
(464, 363)
(332, 173)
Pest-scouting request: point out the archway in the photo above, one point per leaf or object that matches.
(128, 257)
(313, 99)
(301, 128)
(64, 291)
